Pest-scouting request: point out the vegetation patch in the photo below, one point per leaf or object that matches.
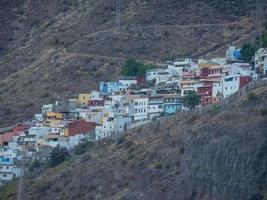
(251, 96)
(157, 165)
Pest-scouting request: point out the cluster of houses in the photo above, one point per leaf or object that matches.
(124, 104)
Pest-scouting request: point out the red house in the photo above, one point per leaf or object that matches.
(96, 102)
(141, 80)
(205, 93)
(244, 80)
(79, 127)
(7, 137)
(204, 73)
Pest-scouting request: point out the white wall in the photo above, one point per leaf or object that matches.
(230, 87)
(140, 109)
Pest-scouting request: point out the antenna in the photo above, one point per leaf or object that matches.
(118, 15)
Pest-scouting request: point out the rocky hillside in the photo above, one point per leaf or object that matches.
(54, 49)
(219, 155)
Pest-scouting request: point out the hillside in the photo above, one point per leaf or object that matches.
(55, 49)
(221, 154)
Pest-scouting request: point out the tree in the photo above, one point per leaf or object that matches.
(134, 68)
(191, 100)
(247, 52)
(58, 155)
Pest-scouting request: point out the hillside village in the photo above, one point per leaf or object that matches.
(125, 104)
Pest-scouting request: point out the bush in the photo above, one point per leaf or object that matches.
(134, 68)
(58, 155)
(82, 147)
(251, 96)
(264, 112)
(34, 164)
(191, 100)
(157, 165)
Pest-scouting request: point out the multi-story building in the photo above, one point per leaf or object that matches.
(109, 87)
(261, 62)
(230, 85)
(84, 99)
(172, 103)
(140, 108)
(112, 125)
(155, 106)
(8, 170)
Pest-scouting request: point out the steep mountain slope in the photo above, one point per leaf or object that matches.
(219, 155)
(45, 36)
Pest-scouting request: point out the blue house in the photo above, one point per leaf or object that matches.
(172, 104)
(109, 87)
(6, 161)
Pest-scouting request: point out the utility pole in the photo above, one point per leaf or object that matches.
(118, 15)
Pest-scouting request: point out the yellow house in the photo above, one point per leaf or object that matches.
(54, 119)
(84, 99)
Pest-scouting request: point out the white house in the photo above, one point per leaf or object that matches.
(189, 85)
(112, 125)
(182, 65)
(230, 85)
(141, 108)
(242, 69)
(128, 82)
(47, 108)
(163, 76)
(38, 131)
(152, 74)
(261, 62)
(95, 95)
(8, 169)
(155, 106)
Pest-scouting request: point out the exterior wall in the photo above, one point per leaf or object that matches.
(109, 87)
(155, 109)
(261, 62)
(96, 102)
(217, 90)
(172, 105)
(128, 82)
(163, 77)
(230, 85)
(47, 108)
(152, 74)
(79, 127)
(244, 80)
(205, 94)
(83, 99)
(38, 131)
(204, 73)
(140, 109)
(95, 95)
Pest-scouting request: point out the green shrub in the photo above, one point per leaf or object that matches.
(157, 165)
(251, 96)
(82, 147)
(58, 155)
(130, 156)
(182, 150)
(35, 164)
(264, 112)
(134, 68)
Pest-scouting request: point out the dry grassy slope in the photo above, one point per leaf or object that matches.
(219, 155)
(150, 31)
